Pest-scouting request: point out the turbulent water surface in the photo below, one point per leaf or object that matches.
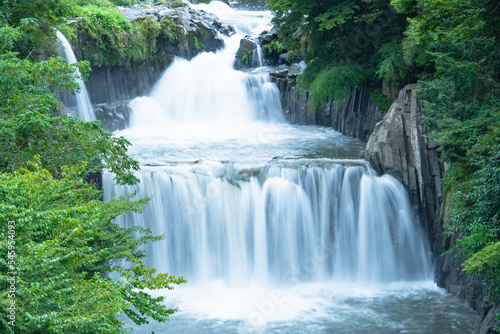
(277, 228)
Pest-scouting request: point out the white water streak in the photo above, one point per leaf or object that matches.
(84, 105)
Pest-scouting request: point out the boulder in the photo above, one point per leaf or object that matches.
(114, 116)
(247, 55)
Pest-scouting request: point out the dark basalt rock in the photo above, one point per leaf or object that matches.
(399, 146)
(199, 32)
(246, 57)
(114, 116)
(356, 117)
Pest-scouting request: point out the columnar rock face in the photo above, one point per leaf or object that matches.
(200, 33)
(355, 117)
(399, 146)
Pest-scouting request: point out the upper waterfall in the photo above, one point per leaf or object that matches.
(207, 89)
(83, 103)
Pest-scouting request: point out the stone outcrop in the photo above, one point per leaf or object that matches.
(264, 50)
(246, 56)
(114, 116)
(399, 146)
(199, 32)
(356, 117)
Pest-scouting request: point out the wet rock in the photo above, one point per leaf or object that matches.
(268, 36)
(400, 146)
(114, 116)
(273, 51)
(246, 57)
(197, 32)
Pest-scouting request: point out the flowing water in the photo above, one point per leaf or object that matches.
(277, 228)
(78, 105)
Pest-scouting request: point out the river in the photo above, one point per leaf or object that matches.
(277, 228)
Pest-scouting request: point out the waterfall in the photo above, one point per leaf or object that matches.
(221, 223)
(257, 54)
(82, 99)
(251, 207)
(280, 225)
(207, 89)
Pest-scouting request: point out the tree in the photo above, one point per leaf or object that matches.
(61, 239)
(57, 237)
(346, 44)
(462, 103)
(32, 122)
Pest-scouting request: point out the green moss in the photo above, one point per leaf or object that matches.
(108, 38)
(246, 58)
(197, 43)
(170, 28)
(381, 100)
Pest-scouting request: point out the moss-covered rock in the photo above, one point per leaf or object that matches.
(129, 47)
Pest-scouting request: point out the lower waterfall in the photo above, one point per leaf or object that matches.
(269, 225)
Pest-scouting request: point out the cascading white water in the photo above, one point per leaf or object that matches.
(208, 90)
(266, 227)
(272, 225)
(83, 103)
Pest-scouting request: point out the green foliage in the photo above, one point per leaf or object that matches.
(31, 123)
(380, 100)
(108, 38)
(336, 35)
(273, 47)
(64, 237)
(335, 83)
(197, 43)
(170, 28)
(292, 56)
(38, 40)
(462, 92)
(111, 37)
(246, 58)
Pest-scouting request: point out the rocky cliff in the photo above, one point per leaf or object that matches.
(355, 117)
(195, 32)
(399, 146)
